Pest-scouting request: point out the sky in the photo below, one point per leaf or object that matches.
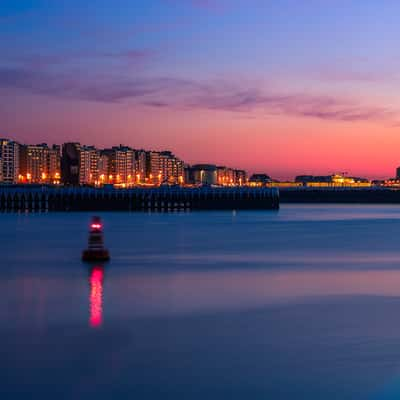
(283, 87)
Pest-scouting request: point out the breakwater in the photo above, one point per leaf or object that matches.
(340, 195)
(31, 199)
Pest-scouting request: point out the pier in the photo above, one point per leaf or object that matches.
(162, 199)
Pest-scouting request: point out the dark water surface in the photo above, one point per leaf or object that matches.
(303, 303)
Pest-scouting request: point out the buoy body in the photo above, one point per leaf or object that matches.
(96, 250)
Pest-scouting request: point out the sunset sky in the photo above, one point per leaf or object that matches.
(284, 87)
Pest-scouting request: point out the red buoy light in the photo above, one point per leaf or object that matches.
(96, 226)
(95, 250)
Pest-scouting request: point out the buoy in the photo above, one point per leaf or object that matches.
(96, 250)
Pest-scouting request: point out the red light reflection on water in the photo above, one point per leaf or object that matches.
(96, 296)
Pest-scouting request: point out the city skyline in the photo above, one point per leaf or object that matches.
(42, 163)
(282, 88)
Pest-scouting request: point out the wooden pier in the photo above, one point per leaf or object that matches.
(42, 199)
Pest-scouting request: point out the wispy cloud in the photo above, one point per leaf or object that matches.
(190, 95)
(321, 107)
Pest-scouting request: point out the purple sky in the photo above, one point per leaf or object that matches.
(282, 87)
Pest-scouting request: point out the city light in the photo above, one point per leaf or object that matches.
(124, 167)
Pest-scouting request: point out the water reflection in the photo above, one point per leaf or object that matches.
(96, 279)
(190, 292)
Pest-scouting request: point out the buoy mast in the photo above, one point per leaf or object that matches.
(96, 250)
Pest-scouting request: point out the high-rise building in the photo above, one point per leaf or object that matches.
(70, 163)
(120, 161)
(154, 170)
(1, 170)
(140, 166)
(165, 167)
(398, 173)
(34, 163)
(54, 164)
(9, 153)
(124, 165)
(173, 168)
(88, 165)
(104, 167)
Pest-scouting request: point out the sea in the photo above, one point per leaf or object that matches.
(300, 303)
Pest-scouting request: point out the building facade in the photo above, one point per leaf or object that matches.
(9, 153)
(104, 167)
(70, 164)
(164, 167)
(123, 162)
(240, 177)
(88, 165)
(141, 167)
(117, 166)
(225, 176)
(204, 174)
(54, 164)
(259, 180)
(39, 164)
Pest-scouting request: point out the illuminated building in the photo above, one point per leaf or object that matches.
(259, 180)
(54, 164)
(121, 165)
(140, 166)
(210, 174)
(165, 167)
(204, 174)
(154, 162)
(225, 176)
(104, 166)
(285, 184)
(39, 164)
(124, 165)
(172, 168)
(335, 180)
(240, 177)
(9, 153)
(88, 165)
(79, 164)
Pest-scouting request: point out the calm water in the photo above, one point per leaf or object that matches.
(303, 303)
